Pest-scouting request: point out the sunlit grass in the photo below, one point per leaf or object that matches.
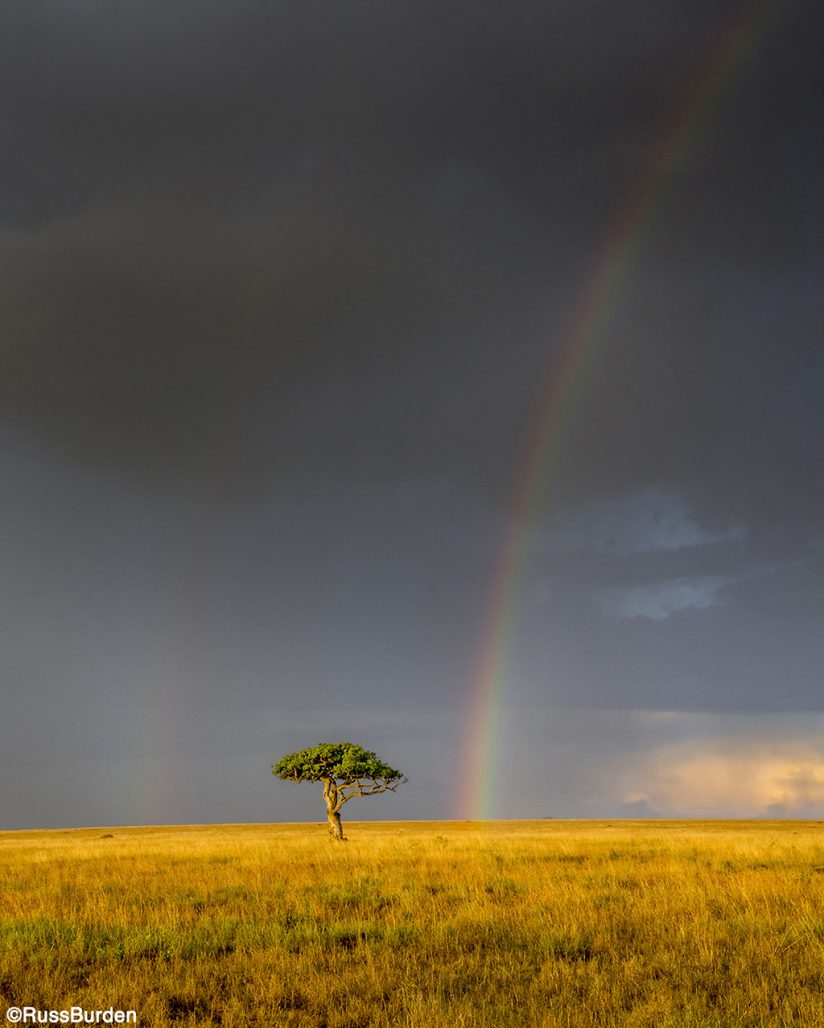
(521, 923)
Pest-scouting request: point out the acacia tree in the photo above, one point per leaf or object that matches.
(345, 769)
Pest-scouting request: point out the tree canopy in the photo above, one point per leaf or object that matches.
(343, 762)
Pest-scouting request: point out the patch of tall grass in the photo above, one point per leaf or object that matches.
(506, 924)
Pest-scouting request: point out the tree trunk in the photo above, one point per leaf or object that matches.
(335, 827)
(330, 795)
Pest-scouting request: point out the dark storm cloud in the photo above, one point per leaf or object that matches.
(317, 236)
(280, 286)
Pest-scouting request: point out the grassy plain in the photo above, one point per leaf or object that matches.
(431, 924)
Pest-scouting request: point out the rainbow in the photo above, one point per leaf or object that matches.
(565, 378)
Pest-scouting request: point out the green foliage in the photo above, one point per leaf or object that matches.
(341, 762)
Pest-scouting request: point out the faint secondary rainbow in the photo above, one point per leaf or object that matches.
(565, 377)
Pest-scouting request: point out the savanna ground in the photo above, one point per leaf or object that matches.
(434, 924)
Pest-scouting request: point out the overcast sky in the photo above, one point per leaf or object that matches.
(279, 285)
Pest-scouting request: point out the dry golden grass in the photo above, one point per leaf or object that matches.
(435, 924)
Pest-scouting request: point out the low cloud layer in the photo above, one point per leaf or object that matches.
(722, 781)
(665, 763)
(729, 766)
(659, 600)
(655, 520)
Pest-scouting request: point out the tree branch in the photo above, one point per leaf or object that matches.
(358, 788)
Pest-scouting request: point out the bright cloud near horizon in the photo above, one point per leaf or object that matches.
(728, 769)
(281, 290)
